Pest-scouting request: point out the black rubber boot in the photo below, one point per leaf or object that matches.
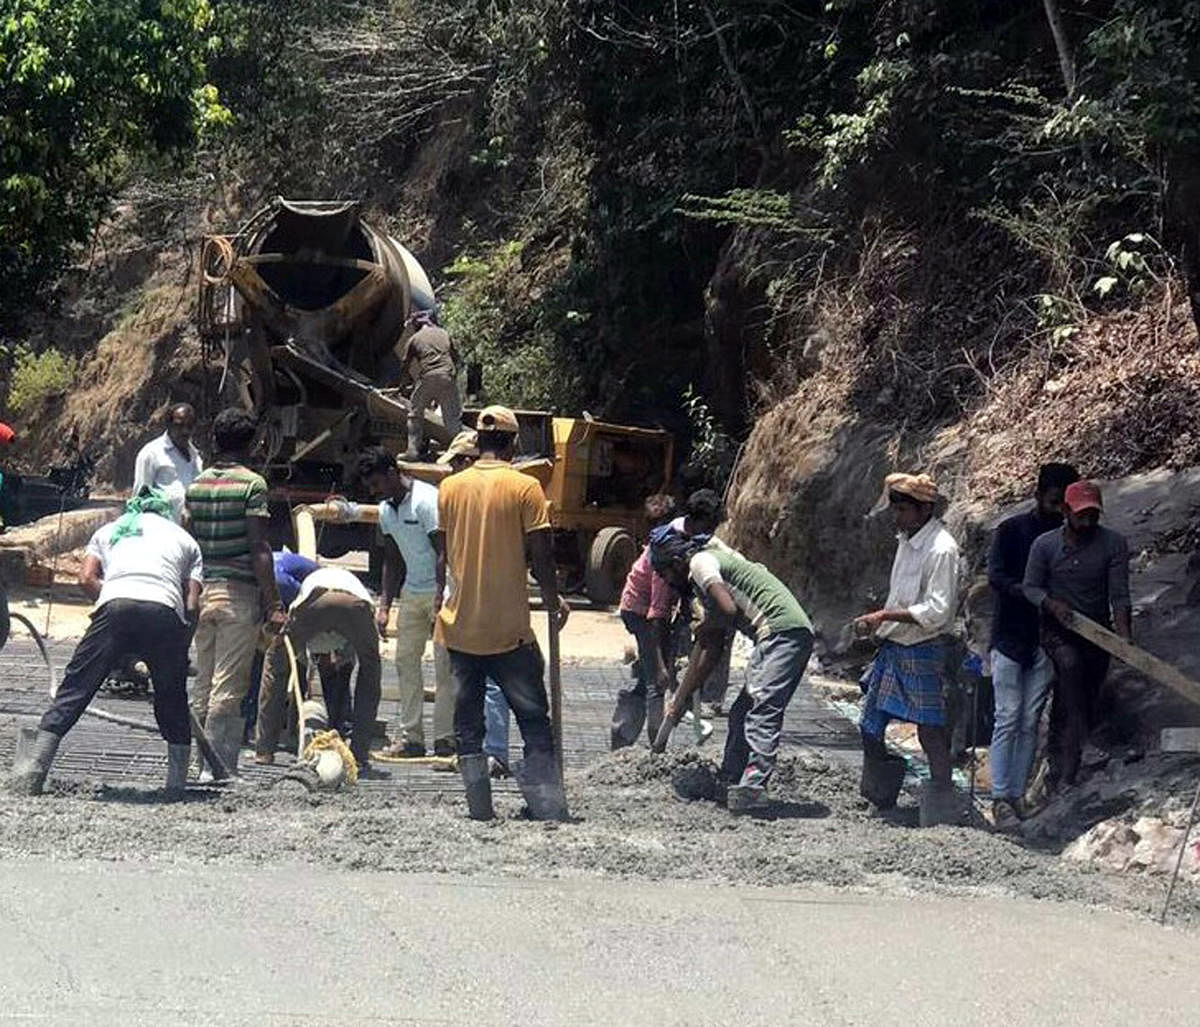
(542, 789)
(478, 782)
(882, 774)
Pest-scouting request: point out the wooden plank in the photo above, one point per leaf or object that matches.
(1153, 667)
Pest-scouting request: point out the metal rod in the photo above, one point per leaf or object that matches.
(555, 689)
(1179, 859)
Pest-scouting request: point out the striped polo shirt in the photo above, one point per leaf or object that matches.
(219, 501)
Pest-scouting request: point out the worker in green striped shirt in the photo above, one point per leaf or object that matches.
(227, 513)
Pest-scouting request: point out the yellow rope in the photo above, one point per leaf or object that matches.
(332, 740)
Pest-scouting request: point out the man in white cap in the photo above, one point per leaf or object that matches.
(487, 514)
(905, 680)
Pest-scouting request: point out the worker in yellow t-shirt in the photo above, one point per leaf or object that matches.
(486, 514)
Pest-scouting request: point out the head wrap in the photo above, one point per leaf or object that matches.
(668, 545)
(147, 501)
(920, 487)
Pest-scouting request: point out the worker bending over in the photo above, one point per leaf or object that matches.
(905, 680)
(144, 572)
(290, 571)
(487, 514)
(647, 603)
(331, 614)
(738, 592)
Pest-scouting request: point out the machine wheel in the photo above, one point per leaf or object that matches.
(609, 559)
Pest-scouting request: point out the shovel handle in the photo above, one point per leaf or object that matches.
(664, 733)
(555, 688)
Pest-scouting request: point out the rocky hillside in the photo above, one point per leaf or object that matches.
(833, 238)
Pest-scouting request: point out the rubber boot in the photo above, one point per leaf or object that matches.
(225, 732)
(882, 774)
(542, 789)
(745, 798)
(940, 805)
(628, 718)
(31, 767)
(478, 782)
(177, 768)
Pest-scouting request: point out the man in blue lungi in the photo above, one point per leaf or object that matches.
(905, 681)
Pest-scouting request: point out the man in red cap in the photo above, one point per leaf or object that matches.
(1081, 567)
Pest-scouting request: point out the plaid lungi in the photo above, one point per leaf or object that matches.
(904, 682)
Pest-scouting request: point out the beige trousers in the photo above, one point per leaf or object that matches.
(414, 617)
(226, 637)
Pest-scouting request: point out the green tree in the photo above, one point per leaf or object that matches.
(87, 87)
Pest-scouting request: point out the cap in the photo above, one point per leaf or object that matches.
(465, 443)
(497, 418)
(6, 434)
(1083, 495)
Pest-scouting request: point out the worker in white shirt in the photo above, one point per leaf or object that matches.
(332, 612)
(905, 681)
(170, 462)
(145, 573)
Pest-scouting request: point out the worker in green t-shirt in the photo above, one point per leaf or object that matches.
(738, 593)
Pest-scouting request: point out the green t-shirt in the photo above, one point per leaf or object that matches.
(219, 502)
(765, 604)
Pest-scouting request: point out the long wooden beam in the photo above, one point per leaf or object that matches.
(1153, 667)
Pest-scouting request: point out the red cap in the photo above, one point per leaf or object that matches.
(6, 434)
(1083, 495)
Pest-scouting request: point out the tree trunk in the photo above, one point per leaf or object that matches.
(1182, 220)
(1066, 59)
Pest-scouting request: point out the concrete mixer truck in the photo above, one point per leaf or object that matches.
(303, 311)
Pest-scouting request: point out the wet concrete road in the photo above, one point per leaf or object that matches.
(90, 943)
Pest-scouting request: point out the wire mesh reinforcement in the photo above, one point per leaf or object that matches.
(107, 753)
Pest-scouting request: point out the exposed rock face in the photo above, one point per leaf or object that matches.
(801, 508)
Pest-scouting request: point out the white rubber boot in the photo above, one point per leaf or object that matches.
(177, 768)
(31, 767)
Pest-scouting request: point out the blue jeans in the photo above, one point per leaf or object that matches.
(1020, 694)
(495, 716)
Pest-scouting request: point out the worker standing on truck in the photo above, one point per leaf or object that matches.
(431, 359)
(171, 461)
(227, 507)
(488, 513)
(144, 571)
(408, 522)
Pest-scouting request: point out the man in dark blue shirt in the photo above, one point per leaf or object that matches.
(1021, 670)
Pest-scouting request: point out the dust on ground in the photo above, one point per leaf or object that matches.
(628, 823)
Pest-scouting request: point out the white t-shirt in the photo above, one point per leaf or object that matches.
(160, 465)
(409, 525)
(152, 567)
(334, 579)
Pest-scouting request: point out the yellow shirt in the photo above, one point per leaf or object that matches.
(486, 511)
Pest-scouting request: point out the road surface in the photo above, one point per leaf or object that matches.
(91, 943)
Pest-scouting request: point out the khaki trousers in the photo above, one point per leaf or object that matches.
(414, 617)
(226, 638)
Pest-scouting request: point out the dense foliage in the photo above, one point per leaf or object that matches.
(625, 199)
(87, 88)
